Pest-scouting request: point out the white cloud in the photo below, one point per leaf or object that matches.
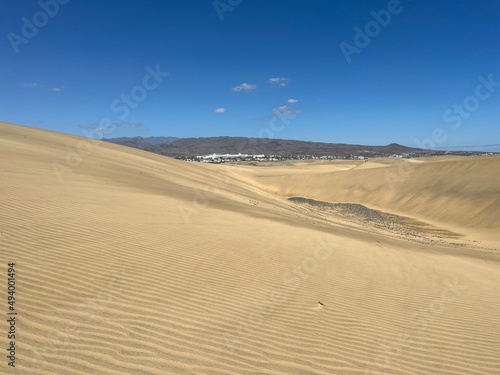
(57, 89)
(246, 87)
(32, 85)
(280, 82)
(220, 110)
(292, 101)
(96, 128)
(286, 110)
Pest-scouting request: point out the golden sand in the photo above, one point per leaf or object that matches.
(133, 263)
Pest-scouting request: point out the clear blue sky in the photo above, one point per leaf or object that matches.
(88, 53)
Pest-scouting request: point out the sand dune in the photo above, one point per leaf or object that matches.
(459, 192)
(133, 263)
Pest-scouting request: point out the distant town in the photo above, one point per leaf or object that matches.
(235, 158)
(252, 150)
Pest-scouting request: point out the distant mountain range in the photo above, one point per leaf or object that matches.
(185, 147)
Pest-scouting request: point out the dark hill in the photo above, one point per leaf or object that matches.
(232, 145)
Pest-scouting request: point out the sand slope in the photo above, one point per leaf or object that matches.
(461, 192)
(138, 264)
